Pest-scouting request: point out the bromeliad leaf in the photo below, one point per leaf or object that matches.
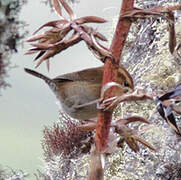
(131, 138)
(68, 9)
(56, 39)
(165, 105)
(57, 7)
(90, 19)
(62, 24)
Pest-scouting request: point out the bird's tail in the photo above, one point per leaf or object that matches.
(41, 76)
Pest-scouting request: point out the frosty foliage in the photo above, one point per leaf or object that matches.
(9, 34)
(149, 61)
(10, 174)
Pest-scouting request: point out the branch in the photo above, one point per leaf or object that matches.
(110, 75)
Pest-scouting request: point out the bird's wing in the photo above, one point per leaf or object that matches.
(89, 75)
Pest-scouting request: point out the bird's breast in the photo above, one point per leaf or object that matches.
(75, 93)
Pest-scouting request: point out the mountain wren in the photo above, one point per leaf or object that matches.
(82, 87)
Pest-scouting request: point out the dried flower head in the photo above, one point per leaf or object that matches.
(66, 141)
(58, 39)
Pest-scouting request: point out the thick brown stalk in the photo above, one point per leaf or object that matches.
(110, 74)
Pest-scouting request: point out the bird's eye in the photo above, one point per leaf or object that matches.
(126, 84)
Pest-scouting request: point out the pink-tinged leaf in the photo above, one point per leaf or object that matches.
(132, 143)
(127, 135)
(100, 48)
(74, 39)
(57, 7)
(50, 24)
(97, 55)
(98, 45)
(35, 38)
(130, 136)
(57, 48)
(32, 51)
(156, 11)
(173, 125)
(142, 141)
(98, 35)
(140, 13)
(41, 46)
(90, 19)
(63, 25)
(68, 9)
(63, 44)
(132, 119)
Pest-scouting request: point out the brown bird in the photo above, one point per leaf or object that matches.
(82, 87)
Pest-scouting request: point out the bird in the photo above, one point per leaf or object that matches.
(81, 87)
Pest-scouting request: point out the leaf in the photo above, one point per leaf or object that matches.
(42, 46)
(170, 118)
(100, 48)
(30, 51)
(166, 113)
(140, 13)
(142, 141)
(90, 19)
(57, 7)
(35, 38)
(89, 30)
(132, 143)
(68, 9)
(100, 36)
(51, 24)
(171, 94)
(132, 119)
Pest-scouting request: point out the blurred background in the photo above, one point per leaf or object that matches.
(29, 105)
